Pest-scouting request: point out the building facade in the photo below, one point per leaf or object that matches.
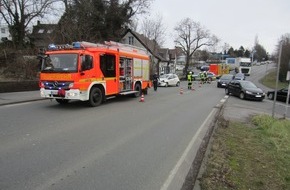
(4, 33)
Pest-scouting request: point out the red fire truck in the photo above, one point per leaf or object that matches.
(93, 72)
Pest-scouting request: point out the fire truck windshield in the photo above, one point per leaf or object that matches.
(60, 63)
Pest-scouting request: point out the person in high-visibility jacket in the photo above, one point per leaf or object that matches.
(189, 80)
(201, 76)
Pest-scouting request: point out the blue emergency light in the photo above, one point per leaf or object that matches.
(52, 47)
(77, 45)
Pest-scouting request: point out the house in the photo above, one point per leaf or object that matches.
(43, 34)
(163, 59)
(4, 33)
(174, 60)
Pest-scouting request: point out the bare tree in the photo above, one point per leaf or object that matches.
(154, 32)
(154, 29)
(191, 36)
(19, 13)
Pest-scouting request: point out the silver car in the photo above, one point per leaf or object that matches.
(169, 80)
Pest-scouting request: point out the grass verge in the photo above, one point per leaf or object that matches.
(270, 80)
(249, 156)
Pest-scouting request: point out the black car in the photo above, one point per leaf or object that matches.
(224, 80)
(281, 95)
(245, 90)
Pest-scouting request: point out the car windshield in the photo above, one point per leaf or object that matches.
(165, 76)
(248, 84)
(60, 63)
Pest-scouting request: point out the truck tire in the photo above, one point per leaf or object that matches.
(96, 97)
(137, 88)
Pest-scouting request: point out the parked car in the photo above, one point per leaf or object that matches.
(224, 80)
(169, 80)
(281, 95)
(245, 90)
(240, 76)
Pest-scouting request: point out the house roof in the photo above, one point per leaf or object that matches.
(43, 34)
(151, 45)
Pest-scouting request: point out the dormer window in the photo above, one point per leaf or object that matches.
(131, 40)
(40, 31)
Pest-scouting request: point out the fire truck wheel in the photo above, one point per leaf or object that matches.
(137, 88)
(62, 101)
(96, 97)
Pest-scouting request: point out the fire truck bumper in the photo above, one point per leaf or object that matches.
(72, 94)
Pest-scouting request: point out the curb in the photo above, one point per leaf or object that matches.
(184, 175)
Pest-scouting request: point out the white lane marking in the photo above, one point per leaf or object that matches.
(185, 153)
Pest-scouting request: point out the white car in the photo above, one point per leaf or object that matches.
(169, 80)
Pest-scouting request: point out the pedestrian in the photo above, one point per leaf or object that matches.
(155, 81)
(189, 80)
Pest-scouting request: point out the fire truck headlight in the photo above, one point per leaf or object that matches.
(71, 85)
(71, 94)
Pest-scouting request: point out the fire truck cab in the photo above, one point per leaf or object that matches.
(93, 72)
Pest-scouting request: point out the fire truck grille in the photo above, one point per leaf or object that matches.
(56, 85)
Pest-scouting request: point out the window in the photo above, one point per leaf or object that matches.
(3, 30)
(108, 65)
(87, 62)
(40, 31)
(131, 40)
(49, 31)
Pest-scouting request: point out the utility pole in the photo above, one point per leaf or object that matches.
(277, 79)
(288, 92)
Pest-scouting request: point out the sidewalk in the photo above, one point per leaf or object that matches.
(19, 97)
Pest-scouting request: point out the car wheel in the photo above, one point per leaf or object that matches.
(227, 91)
(178, 83)
(218, 85)
(271, 96)
(166, 85)
(242, 95)
(62, 101)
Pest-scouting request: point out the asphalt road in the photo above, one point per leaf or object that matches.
(122, 144)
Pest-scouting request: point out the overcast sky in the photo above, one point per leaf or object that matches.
(234, 22)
